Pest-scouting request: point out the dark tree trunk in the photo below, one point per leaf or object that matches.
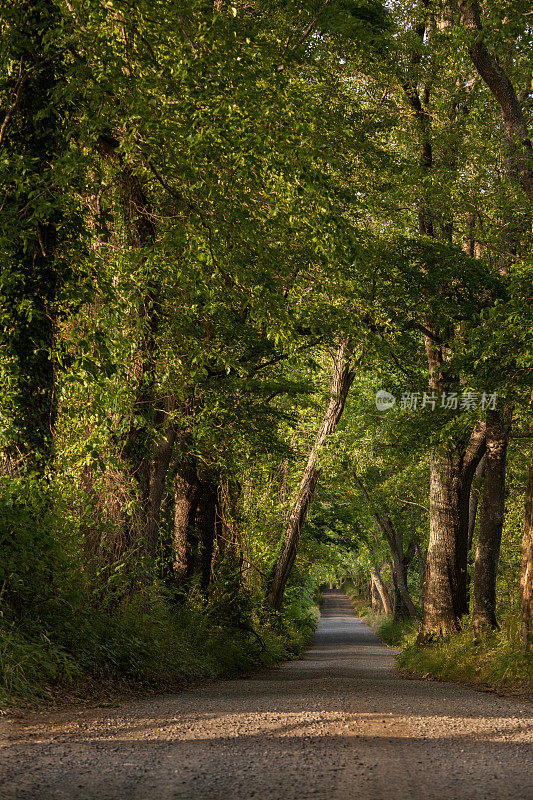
(342, 379)
(185, 539)
(473, 504)
(404, 606)
(156, 484)
(206, 519)
(32, 128)
(421, 559)
(491, 521)
(526, 578)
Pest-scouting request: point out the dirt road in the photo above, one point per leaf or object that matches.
(338, 724)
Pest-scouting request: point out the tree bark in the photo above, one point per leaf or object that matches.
(446, 592)
(395, 541)
(342, 379)
(377, 604)
(491, 521)
(473, 504)
(503, 90)
(206, 519)
(377, 581)
(184, 536)
(526, 578)
(156, 483)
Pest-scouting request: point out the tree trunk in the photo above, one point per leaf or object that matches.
(381, 589)
(33, 132)
(503, 90)
(185, 543)
(491, 521)
(395, 541)
(156, 483)
(441, 607)
(421, 558)
(446, 591)
(473, 504)
(206, 518)
(342, 379)
(405, 606)
(526, 579)
(377, 604)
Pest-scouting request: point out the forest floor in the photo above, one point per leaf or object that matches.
(340, 723)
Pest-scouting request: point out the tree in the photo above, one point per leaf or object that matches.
(38, 220)
(342, 378)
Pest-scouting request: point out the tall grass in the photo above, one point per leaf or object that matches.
(147, 645)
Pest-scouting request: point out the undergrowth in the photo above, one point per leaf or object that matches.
(494, 660)
(149, 644)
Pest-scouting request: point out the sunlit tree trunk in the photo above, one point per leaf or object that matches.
(342, 379)
(526, 578)
(446, 590)
(381, 589)
(184, 535)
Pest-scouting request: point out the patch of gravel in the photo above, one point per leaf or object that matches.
(340, 724)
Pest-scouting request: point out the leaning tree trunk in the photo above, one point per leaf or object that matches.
(491, 521)
(342, 379)
(526, 579)
(499, 83)
(381, 589)
(404, 606)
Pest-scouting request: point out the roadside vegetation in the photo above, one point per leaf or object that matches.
(266, 312)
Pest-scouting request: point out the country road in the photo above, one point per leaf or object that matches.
(340, 723)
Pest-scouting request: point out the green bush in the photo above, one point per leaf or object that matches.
(148, 643)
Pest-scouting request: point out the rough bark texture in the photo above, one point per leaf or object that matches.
(491, 521)
(446, 593)
(503, 90)
(377, 604)
(186, 495)
(526, 578)
(342, 379)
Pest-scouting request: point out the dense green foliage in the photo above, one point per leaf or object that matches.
(200, 201)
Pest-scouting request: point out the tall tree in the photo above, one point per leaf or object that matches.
(34, 134)
(343, 375)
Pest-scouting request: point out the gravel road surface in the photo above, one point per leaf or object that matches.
(339, 724)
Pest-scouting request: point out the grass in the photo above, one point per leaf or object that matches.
(149, 645)
(494, 661)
